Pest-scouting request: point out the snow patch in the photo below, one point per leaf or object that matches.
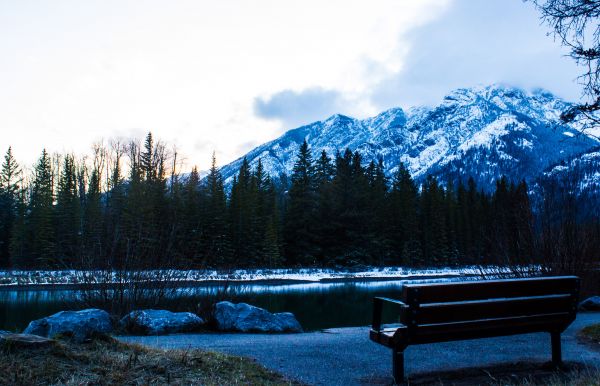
(74, 277)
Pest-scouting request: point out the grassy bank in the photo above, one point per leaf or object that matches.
(108, 361)
(516, 374)
(592, 334)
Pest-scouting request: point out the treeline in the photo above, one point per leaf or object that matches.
(340, 212)
(128, 206)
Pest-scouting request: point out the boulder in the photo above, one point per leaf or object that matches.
(11, 340)
(246, 318)
(80, 325)
(288, 322)
(590, 304)
(159, 322)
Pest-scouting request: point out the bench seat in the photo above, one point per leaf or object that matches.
(441, 312)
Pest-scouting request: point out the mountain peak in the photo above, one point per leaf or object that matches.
(483, 132)
(338, 118)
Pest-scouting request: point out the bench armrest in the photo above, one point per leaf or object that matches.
(378, 308)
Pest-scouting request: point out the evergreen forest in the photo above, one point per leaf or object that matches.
(128, 205)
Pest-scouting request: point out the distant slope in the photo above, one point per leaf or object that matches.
(482, 132)
(577, 176)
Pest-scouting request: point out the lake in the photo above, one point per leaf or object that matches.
(317, 305)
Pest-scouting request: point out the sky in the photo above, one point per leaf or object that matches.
(228, 75)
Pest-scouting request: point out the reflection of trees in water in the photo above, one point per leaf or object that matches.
(37, 296)
(317, 305)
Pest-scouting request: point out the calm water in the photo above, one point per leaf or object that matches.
(316, 305)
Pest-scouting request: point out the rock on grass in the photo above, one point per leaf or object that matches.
(80, 325)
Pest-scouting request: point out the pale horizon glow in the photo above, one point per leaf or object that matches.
(229, 75)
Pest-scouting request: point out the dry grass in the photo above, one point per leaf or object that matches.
(592, 333)
(578, 377)
(109, 362)
(516, 374)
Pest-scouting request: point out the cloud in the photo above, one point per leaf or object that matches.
(478, 42)
(467, 43)
(295, 108)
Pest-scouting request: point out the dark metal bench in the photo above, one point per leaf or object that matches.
(443, 312)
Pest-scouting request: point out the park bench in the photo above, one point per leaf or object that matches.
(441, 312)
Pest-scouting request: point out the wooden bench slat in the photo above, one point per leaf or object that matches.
(487, 328)
(443, 312)
(449, 292)
(488, 309)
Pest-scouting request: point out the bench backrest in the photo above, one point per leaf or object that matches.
(467, 306)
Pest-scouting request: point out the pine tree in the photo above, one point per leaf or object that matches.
(434, 237)
(187, 203)
(521, 226)
(350, 217)
(324, 223)
(68, 214)
(10, 185)
(18, 248)
(40, 226)
(217, 241)
(502, 250)
(451, 210)
(146, 208)
(266, 219)
(115, 206)
(92, 218)
(134, 227)
(378, 212)
(270, 249)
(464, 233)
(324, 170)
(243, 216)
(477, 204)
(403, 225)
(358, 217)
(147, 159)
(299, 233)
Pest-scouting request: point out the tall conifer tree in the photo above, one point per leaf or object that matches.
(40, 224)
(300, 216)
(10, 185)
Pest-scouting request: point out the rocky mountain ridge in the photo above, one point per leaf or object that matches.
(483, 132)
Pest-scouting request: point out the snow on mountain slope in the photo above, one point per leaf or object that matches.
(483, 132)
(579, 175)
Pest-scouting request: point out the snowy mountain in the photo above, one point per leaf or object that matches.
(482, 132)
(578, 176)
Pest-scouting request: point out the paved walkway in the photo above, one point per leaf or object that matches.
(346, 356)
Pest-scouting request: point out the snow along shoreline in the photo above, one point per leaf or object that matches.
(17, 279)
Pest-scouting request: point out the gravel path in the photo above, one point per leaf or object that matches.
(346, 356)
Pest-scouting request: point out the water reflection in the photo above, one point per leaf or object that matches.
(316, 305)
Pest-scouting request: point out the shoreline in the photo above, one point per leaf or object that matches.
(220, 282)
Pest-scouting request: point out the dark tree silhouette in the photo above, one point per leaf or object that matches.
(575, 24)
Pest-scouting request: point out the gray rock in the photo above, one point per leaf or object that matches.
(80, 325)
(246, 318)
(11, 340)
(590, 304)
(288, 322)
(159, 322)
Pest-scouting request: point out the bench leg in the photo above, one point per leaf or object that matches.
(556, 350)
(398, 365)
